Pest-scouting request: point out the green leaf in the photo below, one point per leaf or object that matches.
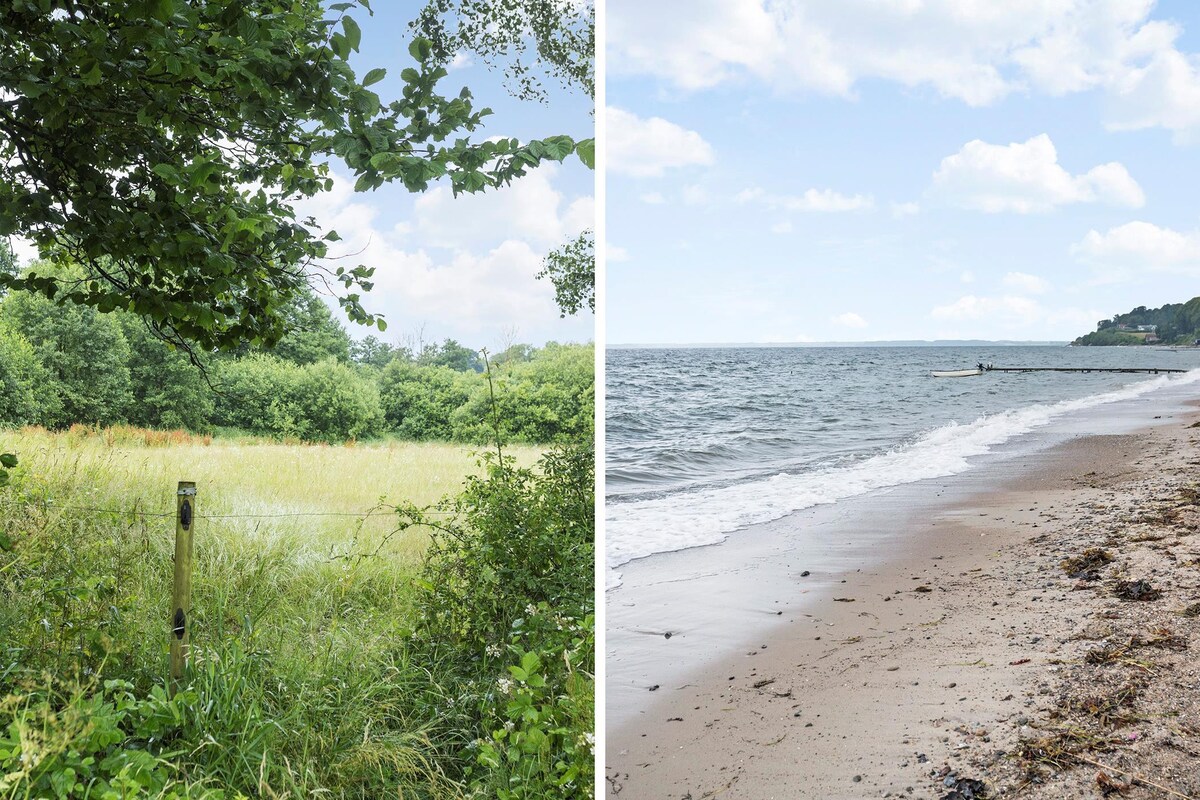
(8, 460)
(353, 32)
(586, 150)
(374, 76)
(420, 49)
(91, 75)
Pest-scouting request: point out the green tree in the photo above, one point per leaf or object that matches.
(572, 270)
(312, 333)
(162, 145)
(168, 390)
(371, 351)
(8, 264)
(326, 401)
(561, 34)
(418, 400)
(453, 355)
(27, 396)
(549, 398)
(85, 353)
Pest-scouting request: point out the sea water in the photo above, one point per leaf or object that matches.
(704, 442)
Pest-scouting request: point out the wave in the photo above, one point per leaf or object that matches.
(707, 516)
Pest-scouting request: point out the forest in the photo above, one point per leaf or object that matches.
(63, 366)
(1175, 323)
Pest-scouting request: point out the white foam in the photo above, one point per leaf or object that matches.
(708, 516)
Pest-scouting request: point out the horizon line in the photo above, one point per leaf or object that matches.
(858, 343)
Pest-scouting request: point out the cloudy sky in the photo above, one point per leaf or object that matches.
(801, 170)
(462, 267)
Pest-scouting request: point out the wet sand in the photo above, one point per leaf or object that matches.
(924, 650)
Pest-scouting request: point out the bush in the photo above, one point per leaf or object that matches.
(326, 401)
(418, 400)
(508, 589)
(168, 390)
(548, 398)
(84, 352)
(26, 396)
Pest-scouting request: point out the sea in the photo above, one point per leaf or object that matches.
(704, 442)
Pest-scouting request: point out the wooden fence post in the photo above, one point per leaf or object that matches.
(181, 593)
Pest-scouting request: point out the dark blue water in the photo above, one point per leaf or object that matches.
(701, 442)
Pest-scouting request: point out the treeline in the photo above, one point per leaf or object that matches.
(1177, 323)
(67, 364)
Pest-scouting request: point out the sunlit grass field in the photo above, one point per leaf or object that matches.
(300, 685)
(320, 500)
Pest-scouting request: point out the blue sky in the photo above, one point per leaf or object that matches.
(799, 170)
(462, 268)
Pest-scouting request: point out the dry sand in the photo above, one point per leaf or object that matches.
(968, 659)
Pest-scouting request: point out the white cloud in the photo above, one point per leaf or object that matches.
(976, 51)
(811, 200)
(1025, 177)
(646, 148)
(1026, 283)
(967, 276)
(615, 254)
(1021, 317)
(653, 198)
(1141, 245)
(902, 210)
(694, 195)
(1007, 308)
(849, 320)
(531, 209)
(781, 227)
(467, 263)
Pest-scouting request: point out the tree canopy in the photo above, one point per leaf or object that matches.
(561, 33)
(161, 145)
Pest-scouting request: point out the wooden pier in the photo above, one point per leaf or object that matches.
(1149, 370)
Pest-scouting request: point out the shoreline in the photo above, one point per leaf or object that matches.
(927, 658)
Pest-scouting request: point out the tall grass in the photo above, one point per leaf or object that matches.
(300, 684)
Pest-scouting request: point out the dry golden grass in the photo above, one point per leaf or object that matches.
(257, 483)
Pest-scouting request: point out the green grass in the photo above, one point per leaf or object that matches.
(301, 683)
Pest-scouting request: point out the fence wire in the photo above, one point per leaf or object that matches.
(171, 514)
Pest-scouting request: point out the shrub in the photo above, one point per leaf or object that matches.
(418, 400)
(326, 401)
(26, 396)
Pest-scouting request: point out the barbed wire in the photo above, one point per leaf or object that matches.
(133, 512)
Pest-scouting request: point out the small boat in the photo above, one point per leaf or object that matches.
(955, 373)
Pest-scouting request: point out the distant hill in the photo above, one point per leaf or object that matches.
(1174, 323)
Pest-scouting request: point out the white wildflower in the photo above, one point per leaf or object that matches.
(504, 685)
(493, 650)
(531, 609)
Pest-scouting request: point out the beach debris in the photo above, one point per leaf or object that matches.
(1018, 662)
(1192, 611)
(964, 789)
(843, 599)
(654, 688)
(1111, 785)
(1108, 708)
(1140, 589)
(763, 682)
(922, 589)
(805, 574)
(1087, 564)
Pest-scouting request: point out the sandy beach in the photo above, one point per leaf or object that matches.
(956, 659)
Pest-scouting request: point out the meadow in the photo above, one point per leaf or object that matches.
(337, 649)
